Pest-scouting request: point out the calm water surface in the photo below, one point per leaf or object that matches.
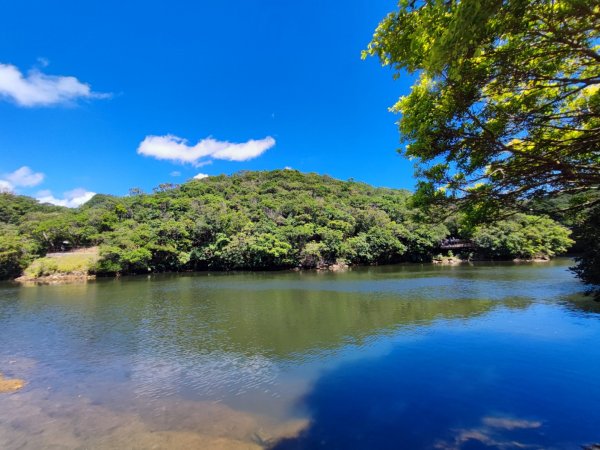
(398, 357)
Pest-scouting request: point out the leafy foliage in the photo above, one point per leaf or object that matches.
(250, 220)
(16, 251)
(259, 220)
(14, 207)
(523, 236)
(588, 263)
(507, 104)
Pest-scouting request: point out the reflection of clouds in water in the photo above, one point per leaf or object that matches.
(492, 434)
(207, 375)
(509, 423)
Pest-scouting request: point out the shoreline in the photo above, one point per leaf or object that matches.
(58, 278)
(453, 260)
(55, 278)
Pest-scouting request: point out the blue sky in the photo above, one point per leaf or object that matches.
(160, 90)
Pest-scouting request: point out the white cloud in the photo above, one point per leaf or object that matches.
(200, 176)
(23, 177)
(175, 173)
(38, 89)
(288, 168)
(176, 149)
(71, 199)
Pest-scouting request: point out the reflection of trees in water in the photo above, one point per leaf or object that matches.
(247, 315)
(288, 323)
(293, 323)
(581, 303)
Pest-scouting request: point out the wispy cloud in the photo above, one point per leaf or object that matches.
(38, 89)
(71, 199)
(22, 177)
(173, 148)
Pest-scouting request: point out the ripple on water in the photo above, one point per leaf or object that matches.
(209, 375)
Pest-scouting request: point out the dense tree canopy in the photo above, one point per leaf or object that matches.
(507, 103)
(506, 107)
(250, 220)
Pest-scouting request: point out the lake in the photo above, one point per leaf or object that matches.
(398, 357)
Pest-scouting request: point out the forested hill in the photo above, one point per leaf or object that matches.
(252, 220)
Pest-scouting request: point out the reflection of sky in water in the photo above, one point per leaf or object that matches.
(492, 356)
(453, 389)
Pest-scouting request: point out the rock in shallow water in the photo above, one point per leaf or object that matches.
(12, 385)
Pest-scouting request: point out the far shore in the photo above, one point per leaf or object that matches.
(82, 277)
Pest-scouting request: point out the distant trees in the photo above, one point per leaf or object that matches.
(251, 220)
(258, 220)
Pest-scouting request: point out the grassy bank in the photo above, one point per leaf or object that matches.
(79, 263)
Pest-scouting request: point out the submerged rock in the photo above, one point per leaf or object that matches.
(12, 385)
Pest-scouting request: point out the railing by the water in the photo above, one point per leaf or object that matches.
(452, 244)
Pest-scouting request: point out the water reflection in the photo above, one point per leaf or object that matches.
(457, 389)
(387, 357)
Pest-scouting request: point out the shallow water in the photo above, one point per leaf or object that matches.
(464, 357)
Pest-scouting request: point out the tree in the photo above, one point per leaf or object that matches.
(588, 263)
(506, 107)
(16, 251)
(507, 103)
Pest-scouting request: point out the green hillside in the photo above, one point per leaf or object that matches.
(250, 220)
